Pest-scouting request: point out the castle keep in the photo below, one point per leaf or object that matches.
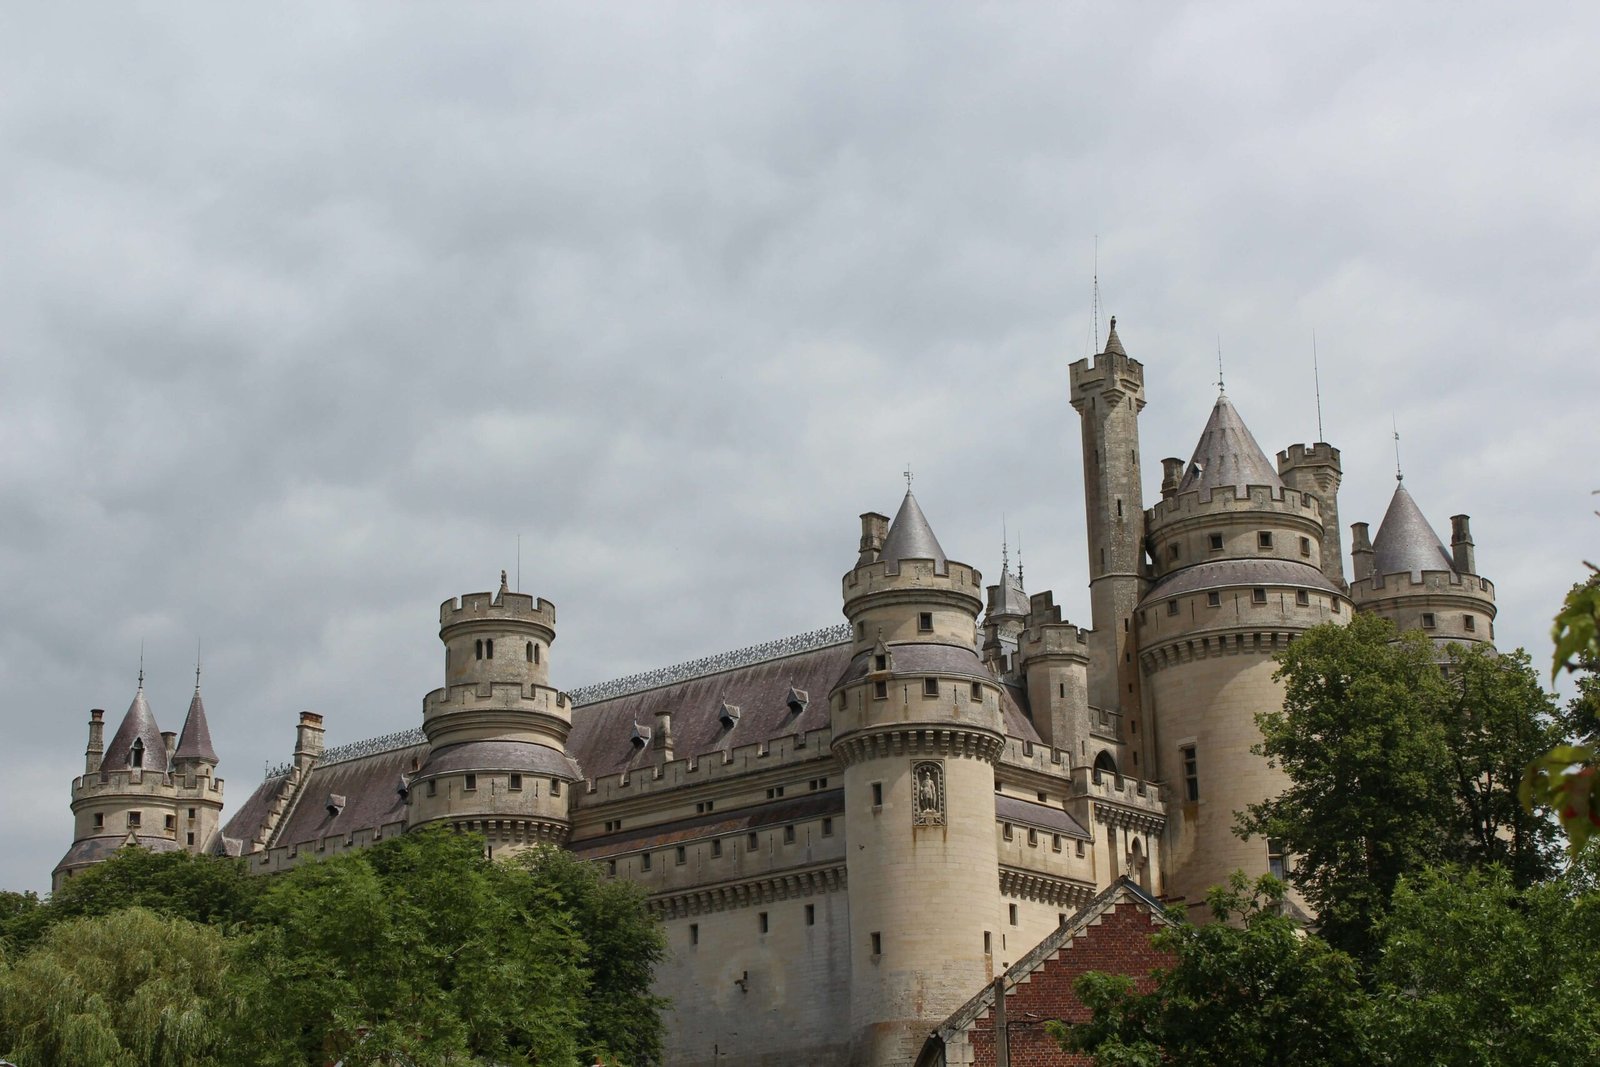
(850, 833)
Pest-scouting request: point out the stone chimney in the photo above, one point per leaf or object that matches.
(97, 741)
(308, 740)
(1461, 550)
(1171, 475)
(874, 529)
(1361, 557)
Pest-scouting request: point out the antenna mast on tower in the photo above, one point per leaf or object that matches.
(1316, 378)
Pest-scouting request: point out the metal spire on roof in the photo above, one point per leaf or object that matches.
(1019, 561)
(1095, 339)
(197, 665)
(906, 474)
(1399, 475)
(141, 663)
(1220, 389)
(1005, 552)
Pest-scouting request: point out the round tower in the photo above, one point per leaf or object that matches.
(497, 731)
(194, 778)
(125, 795)
(1238, 573)
(1405, 575)
(917, 725)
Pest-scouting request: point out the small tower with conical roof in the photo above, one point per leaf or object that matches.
(125, 795)
(918, 726)
(194, 778)
(1406, 575)
(1108, 394)
(497, 731)
(1238, 573)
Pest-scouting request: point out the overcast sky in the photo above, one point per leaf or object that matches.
(305, 315)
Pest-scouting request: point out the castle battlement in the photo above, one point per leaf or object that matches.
(1227, 501)
(1310, 455)
(132, 783)
(475, 607)
(737, 762)
(1404, 582)
(1053, 639)
(916, 574)
(478, 695)
(1106, 372)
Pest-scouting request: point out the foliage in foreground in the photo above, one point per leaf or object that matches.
(416, 951)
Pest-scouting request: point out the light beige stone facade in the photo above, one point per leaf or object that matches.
(847, 834)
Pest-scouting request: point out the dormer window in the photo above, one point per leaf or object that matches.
(335, 804)
(136, 753)
(798, 699)
(728, 715)
(880, 662)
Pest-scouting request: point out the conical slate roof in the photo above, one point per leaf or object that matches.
(195, 741)
(1113, 342)
(1011, 600)
(1405, 541)
(910, 537)
(1227, 455)
(138, 724)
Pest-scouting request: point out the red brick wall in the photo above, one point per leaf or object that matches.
(1120, 944)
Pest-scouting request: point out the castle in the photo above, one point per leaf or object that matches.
(851, 832)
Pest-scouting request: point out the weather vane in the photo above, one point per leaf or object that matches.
(907, 474)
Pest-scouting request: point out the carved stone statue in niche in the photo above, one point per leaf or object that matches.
(927, 778)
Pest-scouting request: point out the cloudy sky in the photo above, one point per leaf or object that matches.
(305, 316)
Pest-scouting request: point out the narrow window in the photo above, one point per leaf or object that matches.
(555, 787)
(827, 827)
(788, 835)
(1061, 918)
(1258, 595)
(1191, 773)
(1264, 539)
(530, 651)
(1055, 842)
(1174, 551)
(925, 621)
(880, 690)
(753, 842)
(765, 924)
(611, 868)
(469, 783)
(930, 687)
(680, 855)
(1337, 607)
(1172, 607)
(877, 794)
(1302, 598)
(1305, 546)
(171, 823)
(433, 788)
(1470, 622)
(1276, 864)
(877, 943)
(977, 691)
(694, 933)
(986, 949)
(811, 915)
(191, 813)
(1061, 690)
(1119, 507)
(644, 862)
(1033, 838)
(515, 783)
(488, 649)
(99, 820)
(134, 819)
(480, 648)
(1079, 848)
(880, 663)
(1427, 620)
(136, 754)
(1213, 599)
(1216, 542)
(1012, 911)
(190, 836)
(1006, 831)
(536, 653)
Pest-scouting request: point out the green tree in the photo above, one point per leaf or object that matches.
(1249, 990)
(127, 989)
(1371, 795)
(203, 889)
(623, 943)
(22, 920)
(1476, 971)
(1566, 779)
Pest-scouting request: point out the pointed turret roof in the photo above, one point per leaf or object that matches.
(1227, 455)
(910, 537)
(139, 724)
(1113, 342)
(1405, 541)
(1010, 599)
(194, 742)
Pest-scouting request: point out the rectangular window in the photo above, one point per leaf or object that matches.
(134, 819)
(1302, 598)
(827, 827)
(930, 687)
(644, 862)
(172, 822)
(1264, 539)
(1173, 551)
(880, 663)
(515, 783)
(1172, 607)
(1469, 622)
(191, 813)
(1055, 842)
(716, 848)
(925, 621)
(753, 842)
(766, 925)
(811, 915)
(1216, 542)
(1012, 910)
(681, 855)
(1337, 607)
(877, 794)
(611, 868)
(1427, 620)
(986, 949)
(694, 933)
(1276, 864)
(1079, 845)
(469, 783)
(977, 690)
(1305, 546)
(99, 820)
(190, 836)
(1191, 773)
(877, 943)
(1213, 599)
(433, 788)
(555, 787)
(788, 835)
(775, 792)
(1006, 831)
(880, 690)
(1258, 595)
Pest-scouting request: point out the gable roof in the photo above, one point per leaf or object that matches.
(1227, 455)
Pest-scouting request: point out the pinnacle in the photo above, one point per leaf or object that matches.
(1113, 342)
